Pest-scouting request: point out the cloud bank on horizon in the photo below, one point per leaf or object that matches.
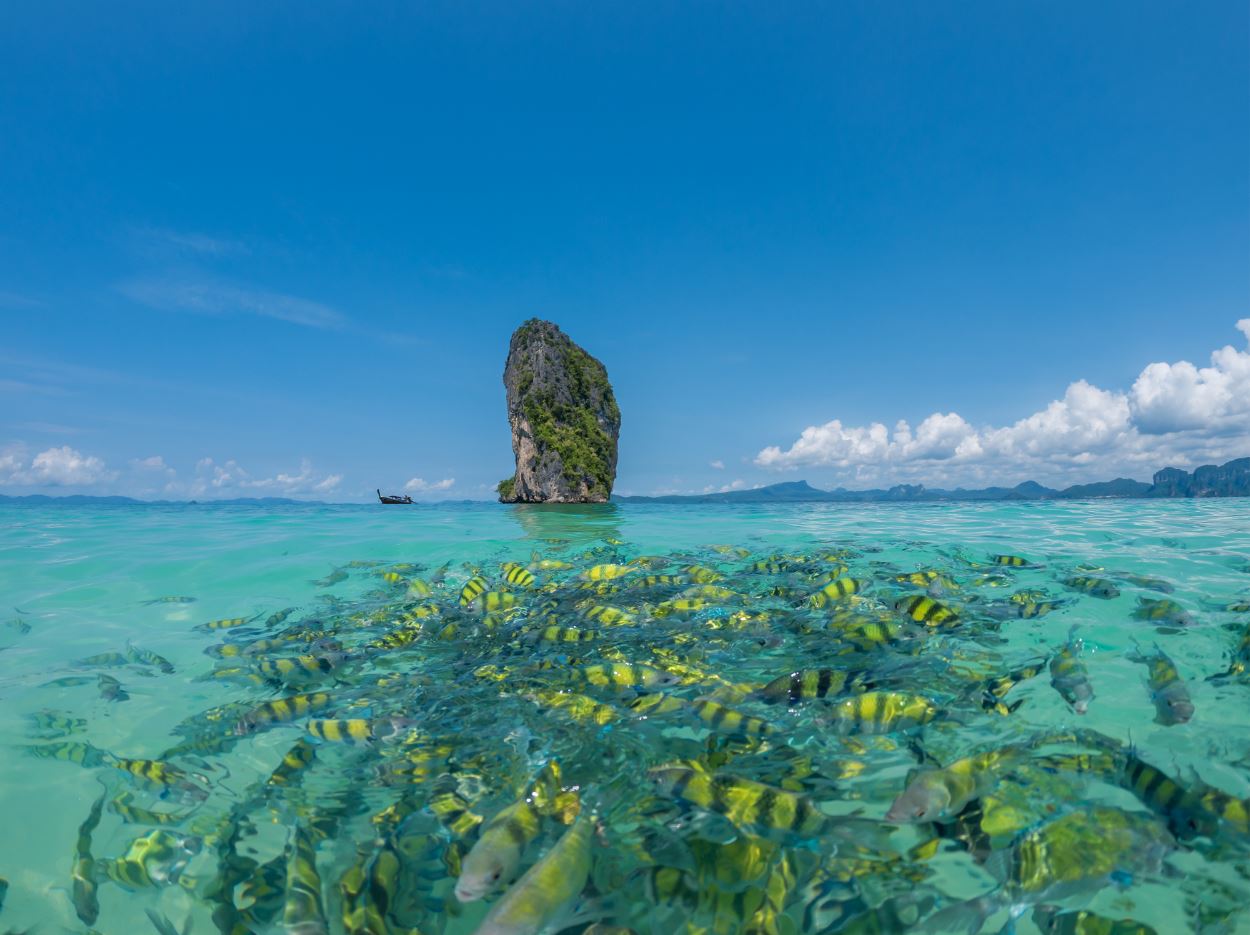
(1174, 413)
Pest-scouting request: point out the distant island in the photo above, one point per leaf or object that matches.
(1226, 480)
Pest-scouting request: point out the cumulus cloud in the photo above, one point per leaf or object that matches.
(1173, 413)
(56, 467)
(154, 477)
(229, 478)
(418, 485)
(716, 465)
(736, 484)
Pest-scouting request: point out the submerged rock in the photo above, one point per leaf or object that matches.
(564, 419)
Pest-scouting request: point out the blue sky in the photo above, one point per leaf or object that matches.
(252, 251)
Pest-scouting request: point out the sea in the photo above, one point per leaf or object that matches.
(576, 663)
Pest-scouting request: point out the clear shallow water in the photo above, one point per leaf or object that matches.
(77, 580)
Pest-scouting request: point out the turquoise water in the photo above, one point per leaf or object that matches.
(460, 707)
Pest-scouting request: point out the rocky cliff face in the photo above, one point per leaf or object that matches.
(564, 419)
(1226, 480)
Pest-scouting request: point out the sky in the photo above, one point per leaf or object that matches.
(279, 249)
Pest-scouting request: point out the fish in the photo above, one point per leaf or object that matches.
(608, 616)
(995, 689)
(171, 599)
(607, 572)
(1149, 582)
(333, 578)
(520, 577)
(805, 685)
(1163, 612)
(1052, 920)
(747, 804)
(878, 712)
(543, 893)
(1079, 851)
(302, 912)
(494, 858)
(55, 723)
(475, 586)
(297, 759)
(927, 611)
(123, 804)
(278, 617)
(724, 720)
(225, 623)
(941, 794)
(838, 590)
(1167, 690)
(623, 675)
(281, 711)
(1094, 587)
(1069, 677)
(83, 876)
(702, 574)
(578, 707)
(105, 659)
(152, 860)
(111, 689)
(71, 751)
(1012, 561)
(149, 658)
(354, 730)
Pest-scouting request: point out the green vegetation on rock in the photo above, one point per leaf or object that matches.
(563, 396)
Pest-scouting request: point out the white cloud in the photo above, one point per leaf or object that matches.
(716, 465)
(212, 297)
(153, 477)
(736, 484)
(229, 479)
(1173, 414)
(417, 485)
(56, 467)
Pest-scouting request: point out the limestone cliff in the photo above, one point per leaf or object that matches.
(564, 420)
(1225, 480)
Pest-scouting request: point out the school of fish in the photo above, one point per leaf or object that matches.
(712, 741)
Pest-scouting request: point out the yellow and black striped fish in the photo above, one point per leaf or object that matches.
(995, 689)
(882, 713)
(282, 710)
(472, 588)
(747, 804)
(725, 720)
(838, 590)
(926, 610)
(805, 685)
(83, 875)
(519, 577)
(302, 912)
(297, 759)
